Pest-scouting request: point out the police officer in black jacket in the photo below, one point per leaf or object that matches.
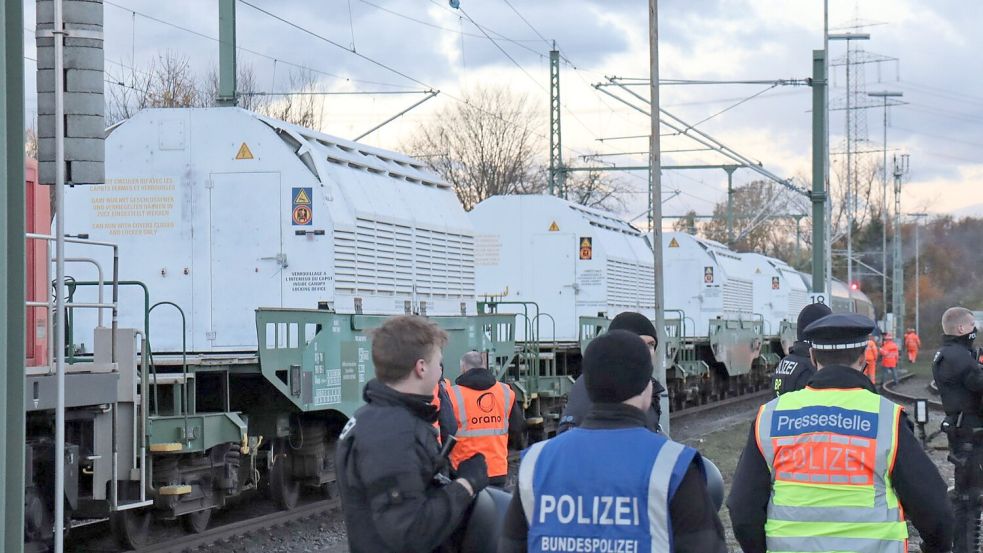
(389, 465)
(795, 369)
(959, 377)
(578, 403)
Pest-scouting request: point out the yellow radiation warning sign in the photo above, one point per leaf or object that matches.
(302, 212)
(586, 248)
(244, 152)
(301, 197)
(554, 227)
(673, 243)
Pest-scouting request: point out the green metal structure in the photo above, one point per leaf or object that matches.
(12, 274)
(320, 360)
(818, 195)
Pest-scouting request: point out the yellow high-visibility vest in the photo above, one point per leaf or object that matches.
(831, 453)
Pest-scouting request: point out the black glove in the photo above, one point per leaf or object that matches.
(474, 469)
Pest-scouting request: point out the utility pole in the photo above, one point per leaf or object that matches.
(655, 160)
(227, 53)
(556, 177)
(885, 95)
(819, 161)
(918, 269)
(900, 170)
(730, 203)
(12, 301)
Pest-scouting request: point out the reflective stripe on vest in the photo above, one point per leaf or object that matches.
(466, 428)
(485, 428)
(601, 490)
(831, 453)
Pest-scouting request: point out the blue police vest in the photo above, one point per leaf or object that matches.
(594, 491)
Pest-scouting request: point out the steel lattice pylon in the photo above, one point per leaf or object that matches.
(556, 177)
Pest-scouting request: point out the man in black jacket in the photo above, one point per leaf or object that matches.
(388, 460)
(578, 403)
(798, 453)
(796, 368)
(959, 377)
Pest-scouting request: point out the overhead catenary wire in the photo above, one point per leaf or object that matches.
(253, 52)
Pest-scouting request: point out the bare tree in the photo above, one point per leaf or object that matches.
(596, 188)
(761, 222)
(485, 145)
(298, 109)
(246, 88)
(167, 82)
(686, 224)
(31, 142)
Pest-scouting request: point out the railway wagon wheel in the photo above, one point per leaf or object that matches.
(131, 528)
(284, 489)
(196, 522)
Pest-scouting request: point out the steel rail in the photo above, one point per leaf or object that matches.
(226, 532)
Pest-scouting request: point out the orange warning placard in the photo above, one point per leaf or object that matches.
(586, 248)
(244, 152)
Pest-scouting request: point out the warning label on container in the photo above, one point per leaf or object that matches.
(137, 206)
(487, 250)
(308, 281)
(302, 212)
(244, 152)
(673, 243)
(586, 248)
(708, 275)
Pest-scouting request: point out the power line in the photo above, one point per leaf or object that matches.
(260, 54)
(335, 44)
(726, 109)
(524, 20)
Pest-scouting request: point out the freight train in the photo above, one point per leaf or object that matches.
(247, 257)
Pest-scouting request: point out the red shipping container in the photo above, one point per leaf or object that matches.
(38, 219)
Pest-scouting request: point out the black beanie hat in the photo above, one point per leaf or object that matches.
(810, 314)
(617, 366)
(634, 322)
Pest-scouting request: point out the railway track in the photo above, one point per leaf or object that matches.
(761, 395)
(230, 531)
(889, 392)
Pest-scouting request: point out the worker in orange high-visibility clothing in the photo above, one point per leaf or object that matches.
(890, 356)
(912, 344)
(870, 357)
(446, 423)
(488, 418)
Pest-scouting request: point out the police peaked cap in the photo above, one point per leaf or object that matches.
(839, 331)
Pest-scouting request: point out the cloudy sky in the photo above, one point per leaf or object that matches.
(420, 44)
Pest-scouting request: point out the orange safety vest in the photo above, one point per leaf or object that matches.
(912, 342)
(436, 402)
(483, 425)
(889, 353)
(871, 357)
